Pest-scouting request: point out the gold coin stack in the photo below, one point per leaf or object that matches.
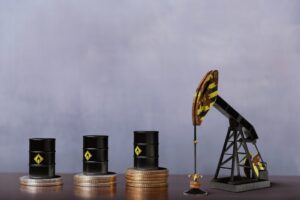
(147, 178)
(95, 180)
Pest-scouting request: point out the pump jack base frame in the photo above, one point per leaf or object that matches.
(195, 191)
(252, 184)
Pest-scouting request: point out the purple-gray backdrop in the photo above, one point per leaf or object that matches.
(69, 68)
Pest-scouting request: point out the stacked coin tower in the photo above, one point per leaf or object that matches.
(41, 164)
(95, 163)
(146, 172)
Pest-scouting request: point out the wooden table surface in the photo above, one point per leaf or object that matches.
(283, 187)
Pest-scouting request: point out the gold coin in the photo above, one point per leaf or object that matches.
(81, 176)
(141, 178)
(94, 180)
(147, 185)
(144, 189)
(147, 175)
(145, 178)
(111, 184)
(146, 182)
(147, 172)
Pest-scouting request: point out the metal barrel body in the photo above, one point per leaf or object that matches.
(146, 149)
(41, 158)
(95, 154)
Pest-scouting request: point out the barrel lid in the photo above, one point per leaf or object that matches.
(149, 137)
(95, 141)
(42, 144)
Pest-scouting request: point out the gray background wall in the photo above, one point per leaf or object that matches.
(69, 68)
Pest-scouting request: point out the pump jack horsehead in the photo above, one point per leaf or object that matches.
(240, 133)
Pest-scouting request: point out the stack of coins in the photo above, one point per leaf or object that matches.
(95, 180)
(147, 178)
(146, 172)
(95, 163)
(43, 182)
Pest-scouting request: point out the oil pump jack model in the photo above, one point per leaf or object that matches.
(235, 156)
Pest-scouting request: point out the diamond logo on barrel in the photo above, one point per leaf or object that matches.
(137, 150)
(87, 155)
(38, 159)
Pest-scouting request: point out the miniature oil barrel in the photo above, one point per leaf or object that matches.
(95, 154)
(42, 158)
(146, 149)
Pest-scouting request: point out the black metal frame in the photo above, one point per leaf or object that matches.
(235, 140)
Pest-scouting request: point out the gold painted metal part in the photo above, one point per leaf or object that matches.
(256, 163)
(205, 96)
(195, 181)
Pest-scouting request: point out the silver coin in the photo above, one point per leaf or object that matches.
(26, 180)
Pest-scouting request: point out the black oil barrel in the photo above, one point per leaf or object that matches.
(41, 157)
(145, 149)
(95, 154)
